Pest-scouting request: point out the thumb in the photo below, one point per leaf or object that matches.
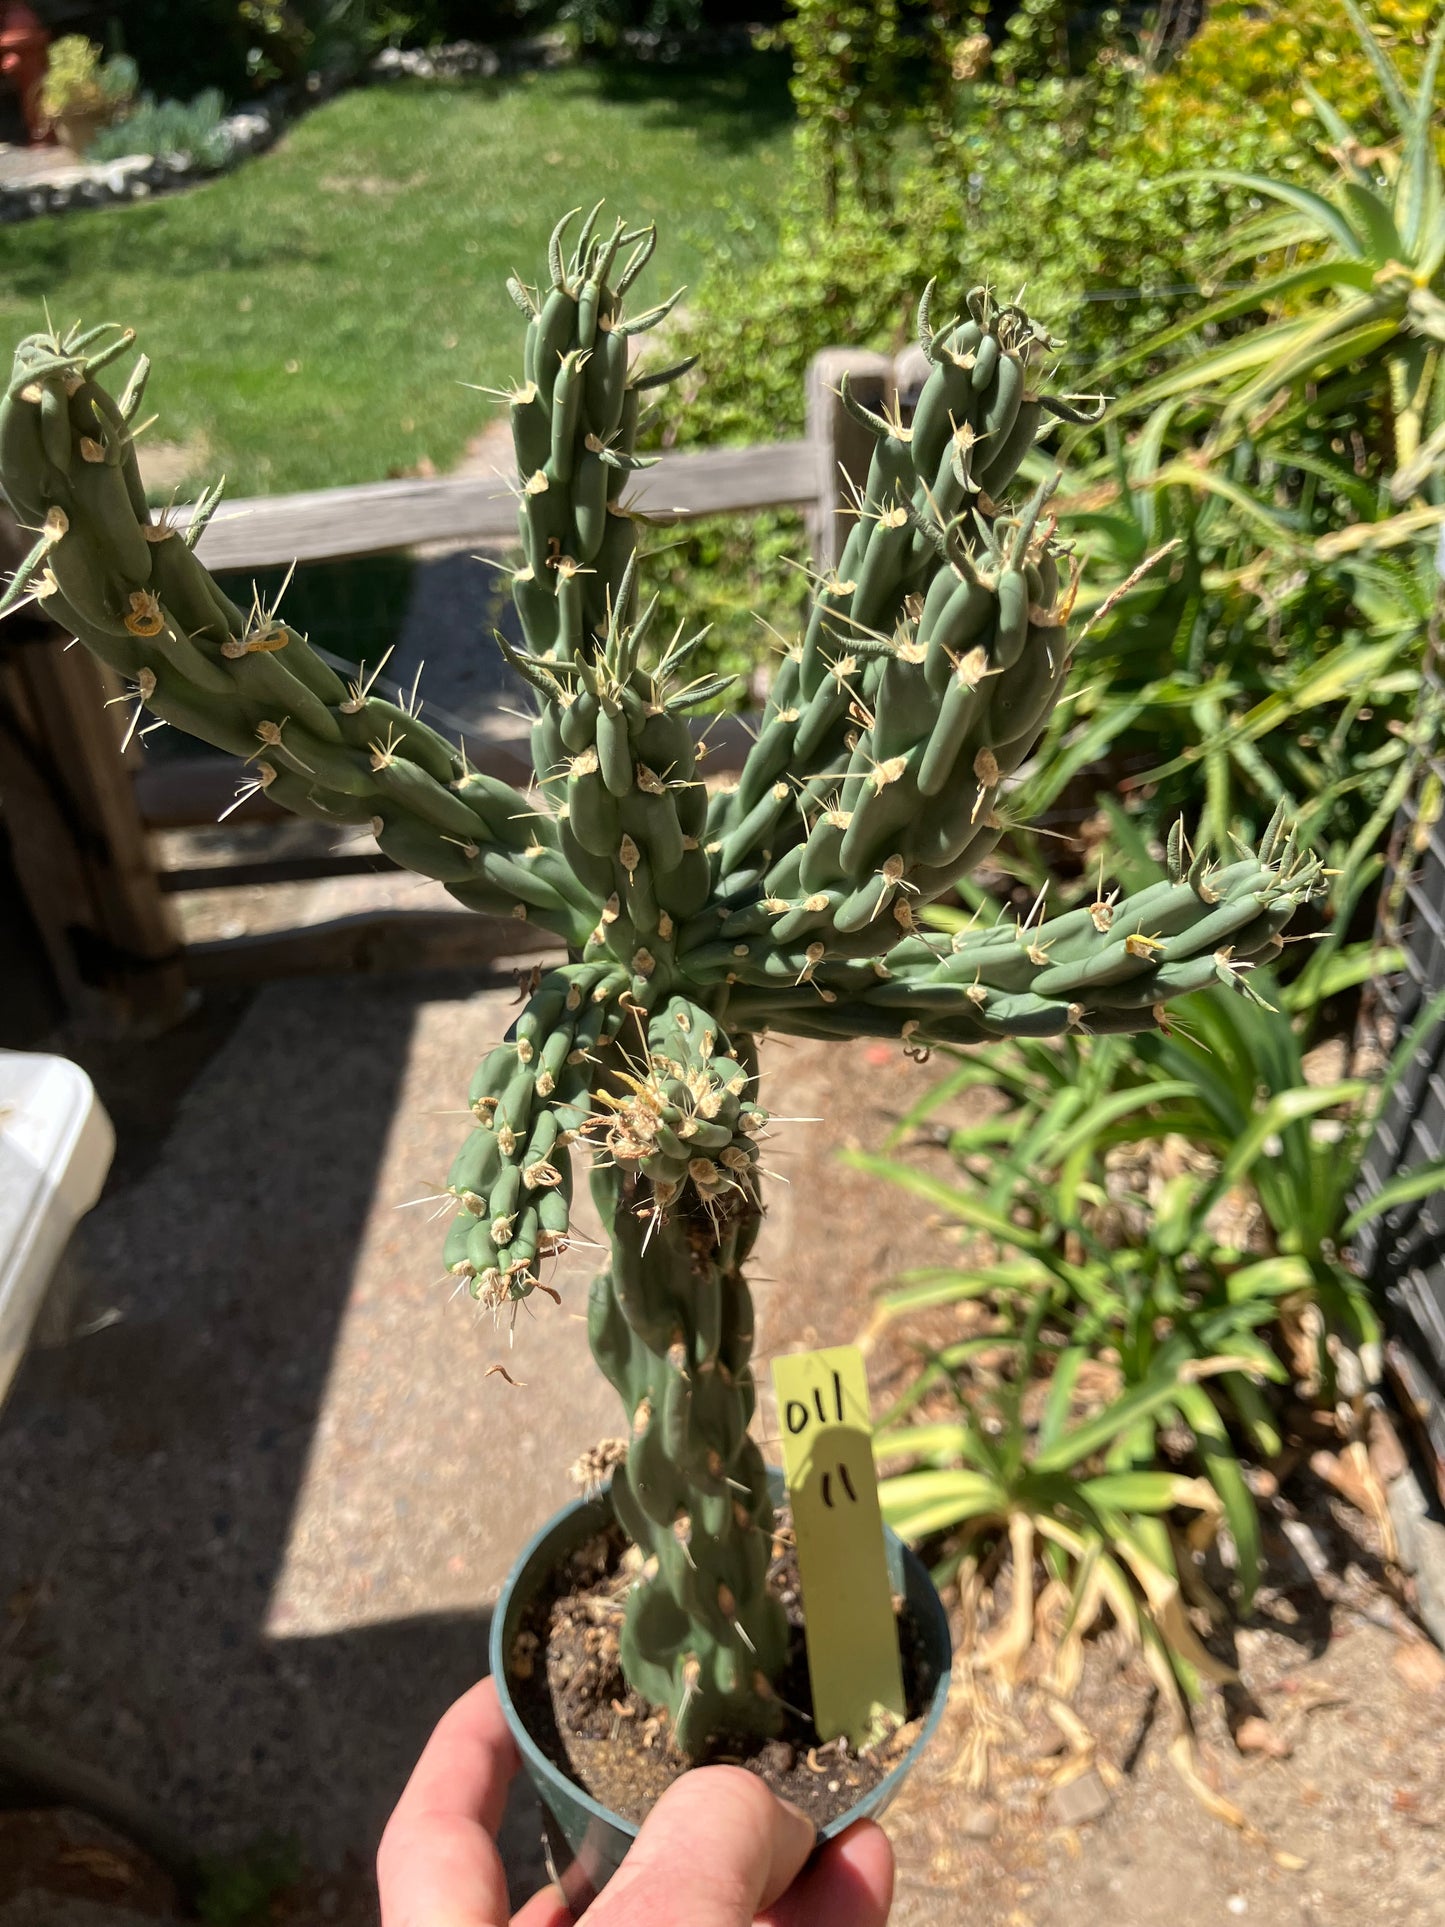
(715, 1851)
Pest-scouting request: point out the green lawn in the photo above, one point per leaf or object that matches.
(312, 316)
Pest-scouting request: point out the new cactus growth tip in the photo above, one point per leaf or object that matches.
(695, 918)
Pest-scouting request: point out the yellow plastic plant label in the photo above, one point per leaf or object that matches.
(847, 1599)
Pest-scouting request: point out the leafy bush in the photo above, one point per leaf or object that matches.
(1241, 71)
(1040, 183)
(599, 23)
(190, 128)
(1049, 39)
(288, 39)
(77, 81)
(597, 26)
(862, 74)
(240, 45)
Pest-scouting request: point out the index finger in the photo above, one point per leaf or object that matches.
(437, 1864)
(466, 1766)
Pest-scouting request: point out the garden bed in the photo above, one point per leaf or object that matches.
(34, 183)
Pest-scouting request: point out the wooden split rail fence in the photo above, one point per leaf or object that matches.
(82, 815)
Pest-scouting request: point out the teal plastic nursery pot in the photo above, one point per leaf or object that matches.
(587, 1840)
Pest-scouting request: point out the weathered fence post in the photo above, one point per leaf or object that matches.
(79, 844)
(842, 447)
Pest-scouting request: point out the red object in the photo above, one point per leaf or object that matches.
(24, 56)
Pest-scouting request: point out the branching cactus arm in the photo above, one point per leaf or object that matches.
(931, 665)
(1112, 965)
(134, 592)
(531, 1098)
(611, 745)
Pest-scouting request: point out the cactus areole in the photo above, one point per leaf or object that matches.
(694, 917)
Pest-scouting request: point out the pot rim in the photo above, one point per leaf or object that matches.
(543, 1768)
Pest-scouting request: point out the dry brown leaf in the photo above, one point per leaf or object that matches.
(1185, 1762)
(1080, 1739)
(1387, 1456)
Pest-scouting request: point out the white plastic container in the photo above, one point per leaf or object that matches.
(56, 1144)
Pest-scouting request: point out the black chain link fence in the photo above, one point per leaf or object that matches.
(1404, 1250)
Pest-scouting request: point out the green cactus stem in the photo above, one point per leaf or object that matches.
(694, 918)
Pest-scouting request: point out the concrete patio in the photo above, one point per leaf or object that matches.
(259, 1505)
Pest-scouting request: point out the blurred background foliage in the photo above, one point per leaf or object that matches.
(1131, 187)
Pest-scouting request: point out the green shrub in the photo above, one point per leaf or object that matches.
(595, 27)
(1239, 76)
(190, 128)
(863, 73)
(1049, 39)
(78, 81)
(598, 24)
(240, 45)
(1040, 182)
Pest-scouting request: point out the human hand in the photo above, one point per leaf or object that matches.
(718, 1850)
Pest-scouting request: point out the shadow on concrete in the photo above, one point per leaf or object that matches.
(151, 1465)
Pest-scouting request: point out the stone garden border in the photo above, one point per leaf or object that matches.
(137, 177)
(72, 185)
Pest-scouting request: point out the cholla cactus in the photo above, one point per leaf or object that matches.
(694, 919)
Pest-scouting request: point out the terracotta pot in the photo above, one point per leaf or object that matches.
(76, 128)
(23, 61)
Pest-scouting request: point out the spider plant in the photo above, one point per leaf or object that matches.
(1255, 636)
(1071, 1488)
(1162, 1306)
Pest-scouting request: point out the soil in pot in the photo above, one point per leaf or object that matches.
(566, 1681)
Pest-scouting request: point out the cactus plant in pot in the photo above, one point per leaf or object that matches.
(694, 917)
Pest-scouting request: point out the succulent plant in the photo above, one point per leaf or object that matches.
(695, 917)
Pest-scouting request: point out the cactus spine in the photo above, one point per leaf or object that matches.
(693, 920)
